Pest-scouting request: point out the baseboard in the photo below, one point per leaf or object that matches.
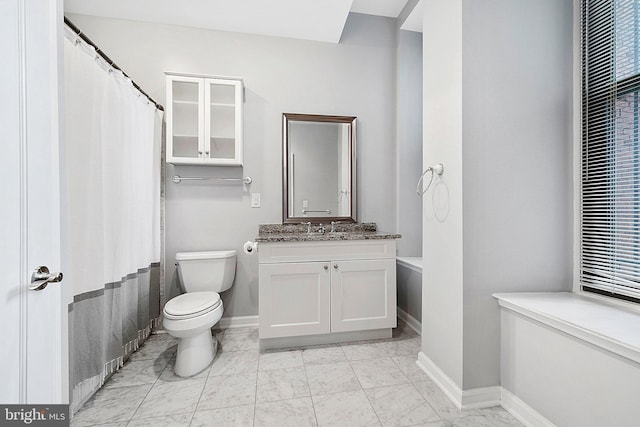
(484, 397)
(411, 321)
(442, 380)
(238, 322)
(523, 412)
(324, 339)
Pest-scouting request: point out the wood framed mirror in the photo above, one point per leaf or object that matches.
(318, 168)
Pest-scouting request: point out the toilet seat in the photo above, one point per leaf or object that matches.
(190, 305)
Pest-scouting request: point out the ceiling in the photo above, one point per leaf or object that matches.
(320, 20)
(414, 20)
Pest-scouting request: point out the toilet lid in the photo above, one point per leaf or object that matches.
(188, 256)
(192, 303)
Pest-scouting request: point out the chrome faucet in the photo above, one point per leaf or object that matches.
(308, 224)
(333, 226)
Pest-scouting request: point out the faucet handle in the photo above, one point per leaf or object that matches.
(308, 224)
(333, 225)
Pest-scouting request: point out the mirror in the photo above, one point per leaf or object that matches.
(319, 168)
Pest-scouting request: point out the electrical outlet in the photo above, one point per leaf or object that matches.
(305, 204)
(255, 200)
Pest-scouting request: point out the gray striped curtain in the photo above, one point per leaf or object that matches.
(112, 217)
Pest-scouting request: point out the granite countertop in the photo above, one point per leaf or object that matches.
(270, 233)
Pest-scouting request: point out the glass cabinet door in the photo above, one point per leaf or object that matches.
(223, 130)
(185, 119)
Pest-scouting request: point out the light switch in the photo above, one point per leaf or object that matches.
(255, 200)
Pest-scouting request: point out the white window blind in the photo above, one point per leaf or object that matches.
(610, 223)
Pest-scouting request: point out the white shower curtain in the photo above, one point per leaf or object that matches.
(112, 216)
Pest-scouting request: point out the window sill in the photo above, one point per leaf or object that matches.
(608, 326)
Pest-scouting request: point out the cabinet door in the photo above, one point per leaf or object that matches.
(363, 295)
(294, 299)
(223, 122)
(185, 130)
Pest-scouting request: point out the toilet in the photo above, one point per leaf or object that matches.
(190, 316)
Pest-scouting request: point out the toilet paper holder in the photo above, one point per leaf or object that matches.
(249, 247)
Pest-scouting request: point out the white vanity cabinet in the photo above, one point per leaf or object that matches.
(326, 287)
(204, 120)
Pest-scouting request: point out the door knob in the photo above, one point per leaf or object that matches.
(41, 277)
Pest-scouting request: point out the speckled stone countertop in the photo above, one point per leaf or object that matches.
(270, 233)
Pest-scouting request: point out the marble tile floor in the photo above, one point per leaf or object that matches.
(374, 383)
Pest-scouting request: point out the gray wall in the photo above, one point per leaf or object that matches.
(500, 119)
(355, 77)
(409, 141)
(518, 179)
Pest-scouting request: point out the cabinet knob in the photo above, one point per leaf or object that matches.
(335, 266)
(326, 267)
(206, 152)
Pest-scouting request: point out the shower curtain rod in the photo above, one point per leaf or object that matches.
(108, 60)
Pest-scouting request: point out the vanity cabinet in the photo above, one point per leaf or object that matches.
(313, 288)
(204, 120)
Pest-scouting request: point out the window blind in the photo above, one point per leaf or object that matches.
(610, 191)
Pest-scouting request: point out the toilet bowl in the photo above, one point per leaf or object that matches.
(190, 316)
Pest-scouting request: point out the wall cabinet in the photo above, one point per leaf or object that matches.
(204, 120)
(321, 290)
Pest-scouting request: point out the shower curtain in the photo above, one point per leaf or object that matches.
(111, 168)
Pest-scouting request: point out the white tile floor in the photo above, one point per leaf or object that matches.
(360, 384)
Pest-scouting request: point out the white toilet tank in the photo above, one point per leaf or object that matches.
(206, 271)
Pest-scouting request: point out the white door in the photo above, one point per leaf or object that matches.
(294, 299)
(33, 354)
(363, 294)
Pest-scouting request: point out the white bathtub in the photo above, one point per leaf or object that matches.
(409, 286)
